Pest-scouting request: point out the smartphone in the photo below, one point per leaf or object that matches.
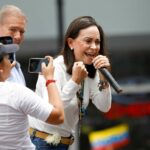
(34, 65)
(8, 40)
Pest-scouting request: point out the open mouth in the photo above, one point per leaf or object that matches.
(90, 55)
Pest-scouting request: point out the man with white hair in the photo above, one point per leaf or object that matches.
(13, 23)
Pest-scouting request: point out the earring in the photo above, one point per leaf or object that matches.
(71, 49)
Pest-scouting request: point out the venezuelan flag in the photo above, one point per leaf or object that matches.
(111, 138)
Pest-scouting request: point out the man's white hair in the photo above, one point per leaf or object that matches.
(12, 10)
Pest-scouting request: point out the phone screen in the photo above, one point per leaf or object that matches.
(35, 64)
(6, 40)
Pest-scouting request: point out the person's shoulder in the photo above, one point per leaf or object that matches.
(14, 84)
(59, 59)
(59, 62)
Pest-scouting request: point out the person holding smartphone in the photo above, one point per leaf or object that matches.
(17, 102)
(79, 83)
(13, 23)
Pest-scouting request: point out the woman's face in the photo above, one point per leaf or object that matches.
(87, 45)
(5, 68)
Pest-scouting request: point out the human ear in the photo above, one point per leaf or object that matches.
(70, 43)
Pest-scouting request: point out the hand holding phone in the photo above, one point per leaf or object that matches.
(48, 71)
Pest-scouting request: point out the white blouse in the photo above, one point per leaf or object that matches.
(68, 89)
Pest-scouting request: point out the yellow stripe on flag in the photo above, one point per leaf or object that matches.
(101, 135)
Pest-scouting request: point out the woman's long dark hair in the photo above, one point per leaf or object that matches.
(72, 32)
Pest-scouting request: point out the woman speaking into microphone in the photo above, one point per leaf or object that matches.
(77, 78)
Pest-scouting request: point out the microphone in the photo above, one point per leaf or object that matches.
(111, 80)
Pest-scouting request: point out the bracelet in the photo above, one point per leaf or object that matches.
(49, 81)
